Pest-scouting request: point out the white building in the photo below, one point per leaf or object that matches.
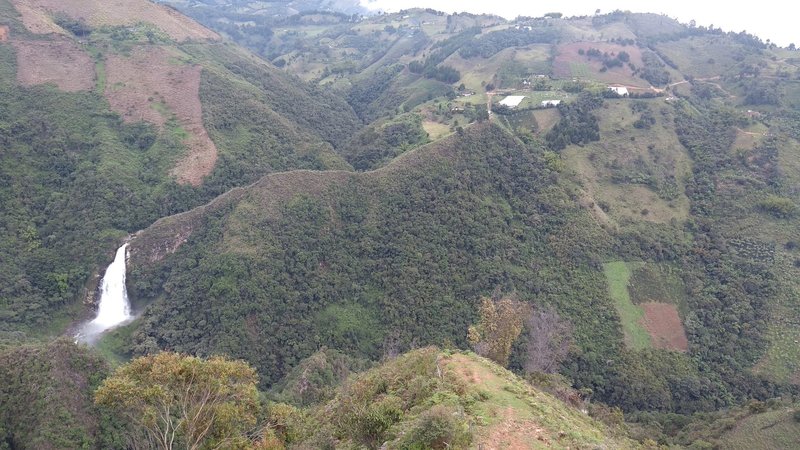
(512, 101)
(549, 103)
(622, 91)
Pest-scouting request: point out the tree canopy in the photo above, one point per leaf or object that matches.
(176, 401)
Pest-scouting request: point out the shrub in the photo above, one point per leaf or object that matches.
(287, 422)
(438, 428)
(757, 407)
(781, 207)
(369, 424)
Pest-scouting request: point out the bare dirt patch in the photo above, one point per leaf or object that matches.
(36, 20)
(662, 322)
(151, 86)
(513, 433)
(117, 12)
(61, 62)
(3, 33)
(509, 430)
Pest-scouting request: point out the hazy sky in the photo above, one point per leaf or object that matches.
(777, 20)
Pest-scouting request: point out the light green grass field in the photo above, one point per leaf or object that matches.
(435, 130)
(618, 273)
(704, 56)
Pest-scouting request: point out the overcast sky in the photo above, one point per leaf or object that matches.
(777, 20)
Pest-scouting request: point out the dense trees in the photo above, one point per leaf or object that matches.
(720, 307)
(609, 60)
(653, 70)
(578, 125)
(46, 398)
(423, 245)
(432, 67)
(758, 92)
(489, 44)
(378, 144)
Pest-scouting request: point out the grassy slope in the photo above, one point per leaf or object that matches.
(639, 173)
(618, 274)
(497, 408)
(766, 431)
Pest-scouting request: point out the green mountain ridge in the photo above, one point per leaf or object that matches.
(364, 189)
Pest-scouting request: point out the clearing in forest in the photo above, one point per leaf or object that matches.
(546, 118)
(618, 273)
(650, 324)
(663, 323)
(60, 62)
(435, 130)
(149, 85)
(98, 13)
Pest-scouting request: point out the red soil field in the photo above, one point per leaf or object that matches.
(36, 20)
(663, 323)
(61, 62)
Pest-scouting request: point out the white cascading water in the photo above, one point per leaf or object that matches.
(114, 307)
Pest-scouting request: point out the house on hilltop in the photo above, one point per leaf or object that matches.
(550, 103)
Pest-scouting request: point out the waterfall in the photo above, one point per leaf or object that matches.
(114, 307)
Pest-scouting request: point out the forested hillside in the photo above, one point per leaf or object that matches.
(607, 205)
(345, 260)
(86, 164)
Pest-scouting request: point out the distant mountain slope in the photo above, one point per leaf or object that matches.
(99, 13)
(117, 113)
